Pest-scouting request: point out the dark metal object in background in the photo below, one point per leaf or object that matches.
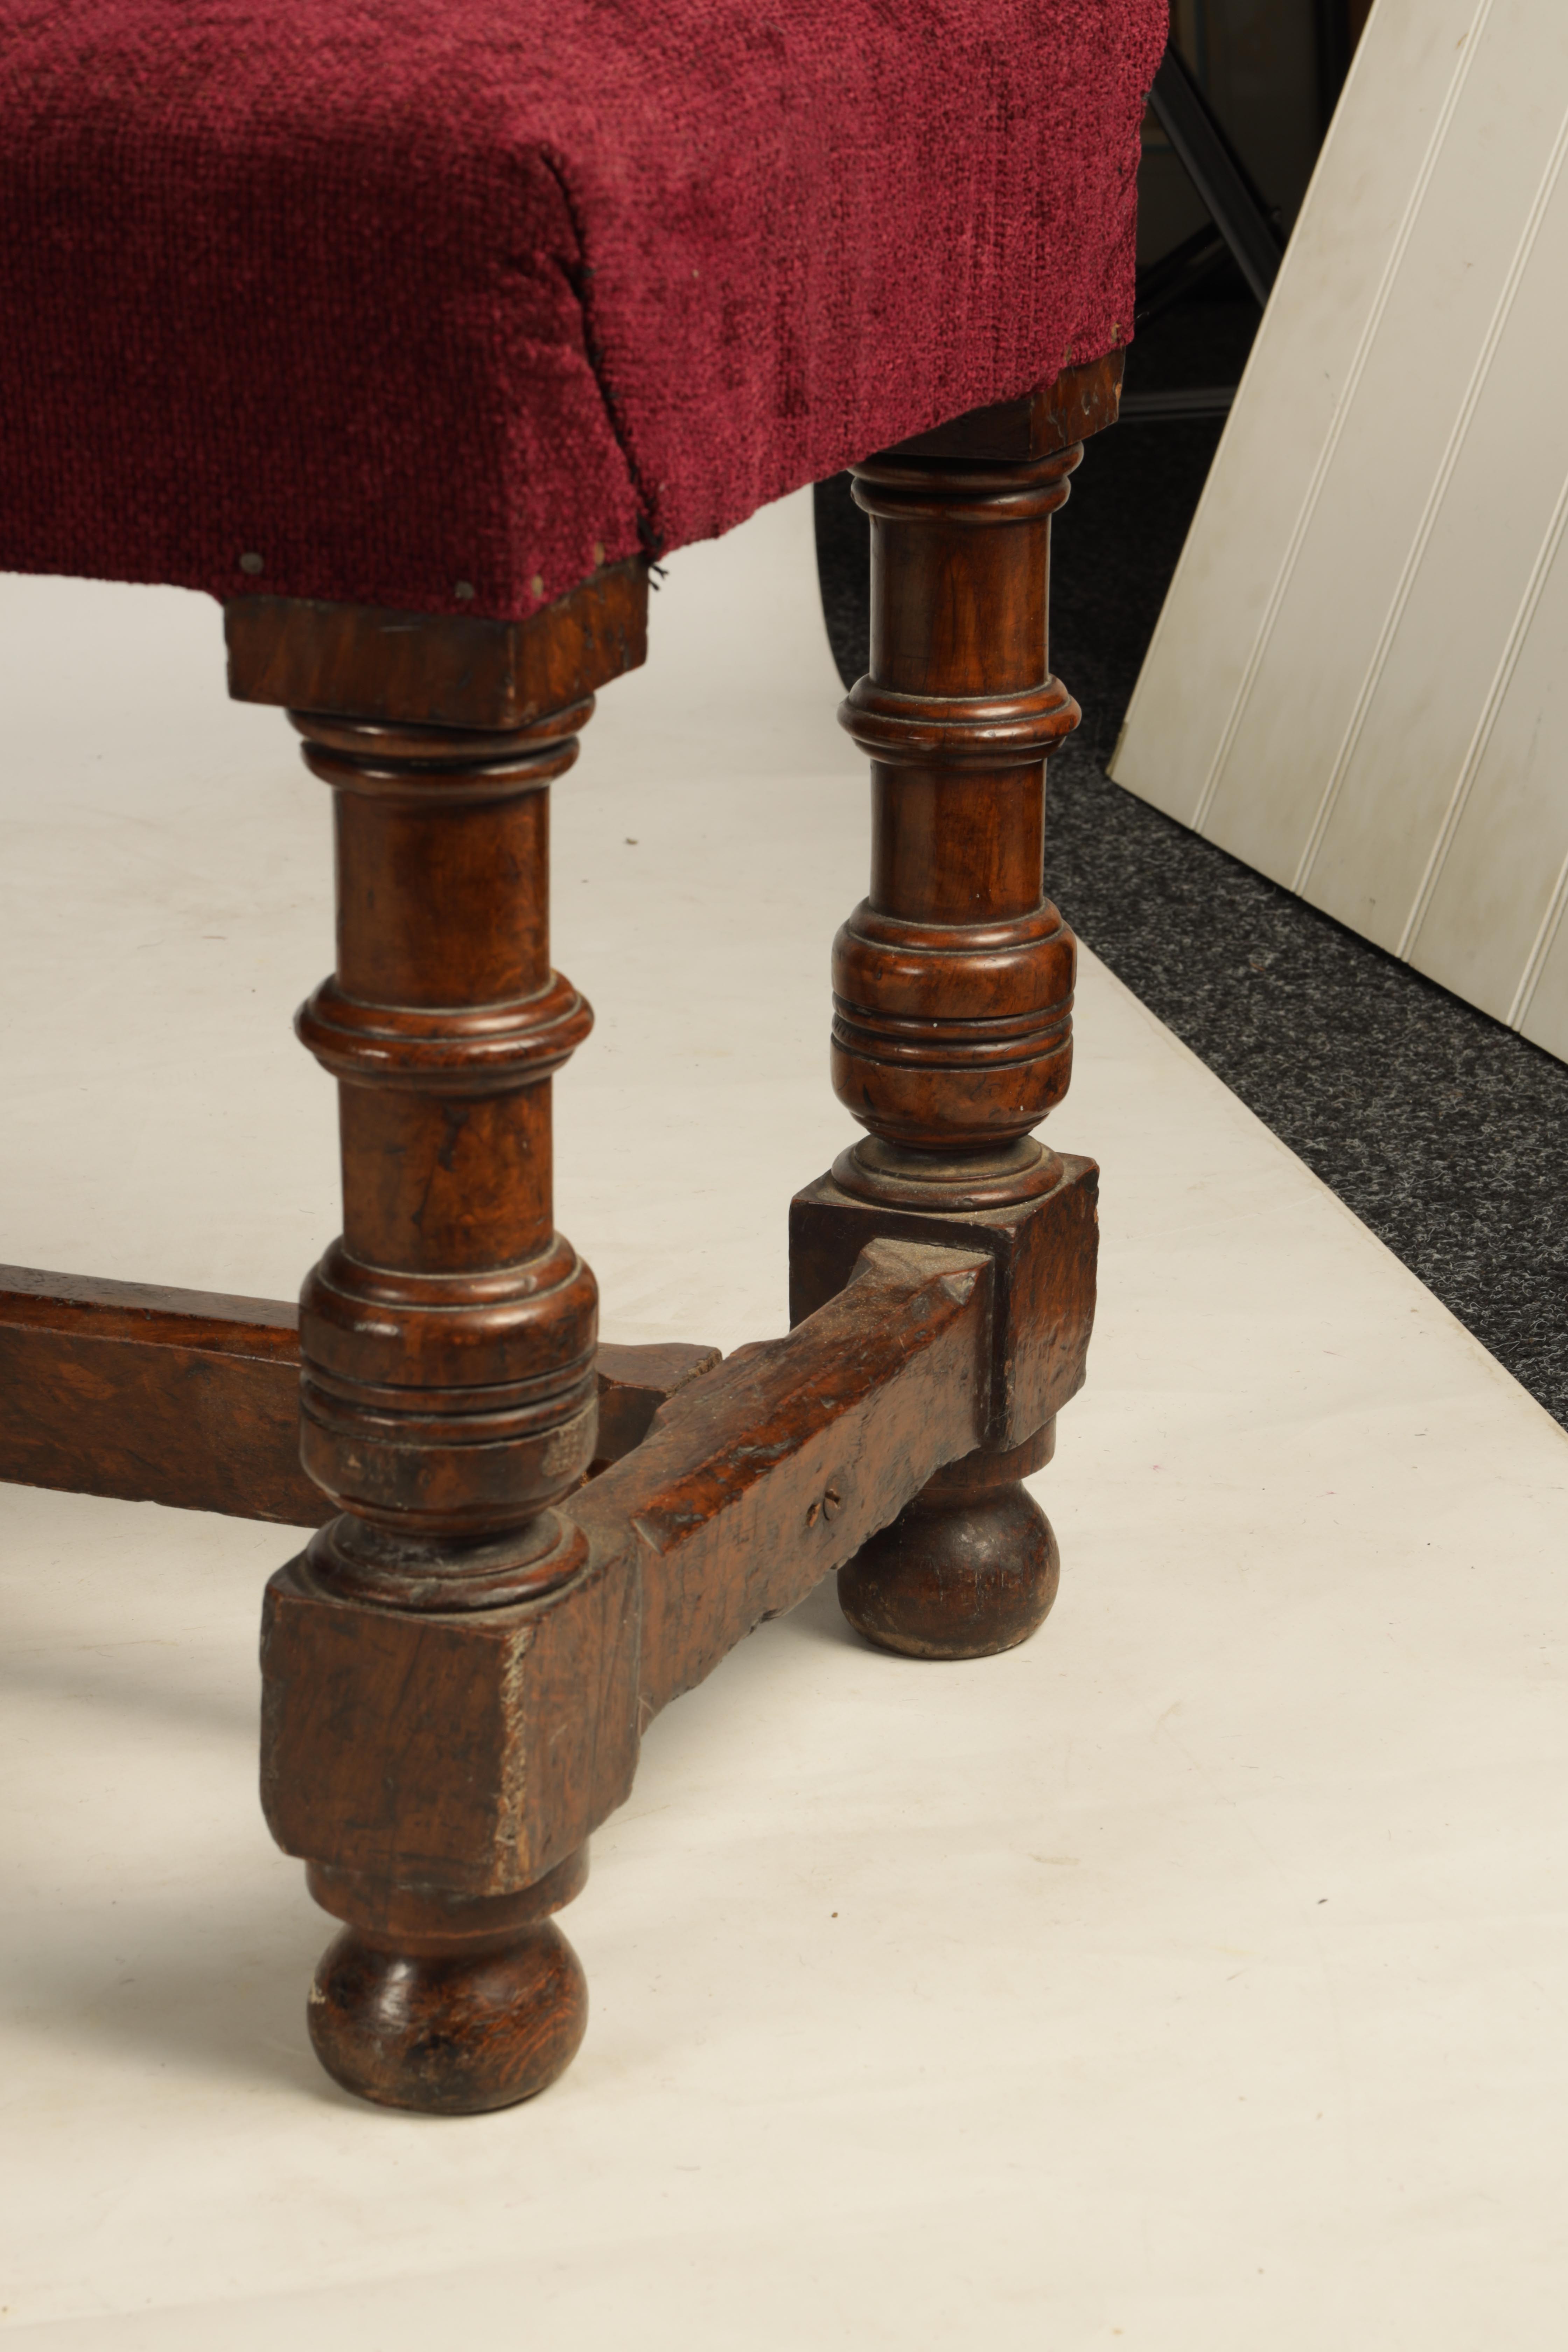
(844, 574)
(1217, 172)
(1336, 28)
(1180, 275)
(1172, 407)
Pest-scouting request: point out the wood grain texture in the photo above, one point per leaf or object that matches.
(453, 2008)
(953, 980)
(1044, 1253)
(415, 1734)
(458, 1670)
(635, 1382)
(190, 1399)
(448, 1338)
(455, 2029)
(469, 1753)
(953, 988)
(969, 1568)
(153, 1395)
(761, 1478)
(461, 1753)
(435, 669)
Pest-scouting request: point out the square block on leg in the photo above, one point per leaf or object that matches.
(467, 1752)
(1045, 1252)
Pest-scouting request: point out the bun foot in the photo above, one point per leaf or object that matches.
(969, 1568)
(449, 2009)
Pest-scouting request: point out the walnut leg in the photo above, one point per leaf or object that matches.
(447, 1385)
(458, 1669)
(969, 1568)
(953, 978)
(452, 2008)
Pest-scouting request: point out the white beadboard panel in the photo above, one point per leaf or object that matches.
(1386, 796)
(1356, 688)
(1543, 1012)
(1497, 888)
(1349, 570)
(1305, 359)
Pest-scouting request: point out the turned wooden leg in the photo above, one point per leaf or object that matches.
(953, 978)
(449, 2007)
(969, 1568)
(447, 1345)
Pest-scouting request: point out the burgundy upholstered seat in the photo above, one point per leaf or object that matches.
(388, 296)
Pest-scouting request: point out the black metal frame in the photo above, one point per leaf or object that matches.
(1230, 195)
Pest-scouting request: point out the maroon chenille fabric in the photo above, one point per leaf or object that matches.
(395, 294)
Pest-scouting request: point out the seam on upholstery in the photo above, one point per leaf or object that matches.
(648, 530)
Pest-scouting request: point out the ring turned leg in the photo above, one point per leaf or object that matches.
(448, 1403)
(953, 978)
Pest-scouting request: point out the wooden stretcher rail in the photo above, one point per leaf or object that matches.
(774, 1470)
(760, 1480)
(191, 1397)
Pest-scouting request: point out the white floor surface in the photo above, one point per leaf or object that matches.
(1193, 1978)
